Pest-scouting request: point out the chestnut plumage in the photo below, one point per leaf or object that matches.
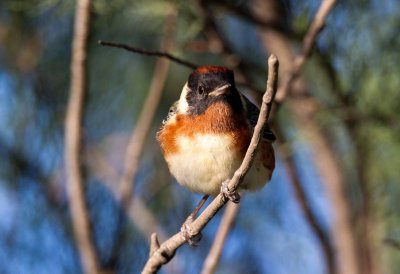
(207, 132)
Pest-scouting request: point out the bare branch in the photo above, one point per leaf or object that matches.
(303, 202)
(265, 110)
(144, 219)
(365, 221)
(304, 108)
(279, 42)
(154, 244)
(164, 54)
(316, 27)
(308, 43)
(323, 238)
(79, 212)
(138, 213)
(149, 52)
(166, 251)
(141, 215)
(141, 131)
(214, 254)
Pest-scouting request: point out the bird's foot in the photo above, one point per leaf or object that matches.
(227, 193)
(188, 234)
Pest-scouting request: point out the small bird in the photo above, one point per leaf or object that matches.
(207, 132)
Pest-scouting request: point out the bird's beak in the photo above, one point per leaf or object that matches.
(219, 91)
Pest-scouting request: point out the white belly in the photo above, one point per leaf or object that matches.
(205, 161)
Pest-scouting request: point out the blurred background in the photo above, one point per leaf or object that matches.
(333, 202)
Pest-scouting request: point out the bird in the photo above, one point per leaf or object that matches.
(207, 132)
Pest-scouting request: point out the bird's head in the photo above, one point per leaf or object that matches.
(208, 85)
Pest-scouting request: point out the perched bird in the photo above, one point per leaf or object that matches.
(207, 132)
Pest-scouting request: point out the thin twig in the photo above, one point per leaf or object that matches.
(154, 244)
(214, 254)
(149, 52)
(166, 251)
(164, 54)
(79, 212)
(315, 28)
(141, 131)
(308, 44)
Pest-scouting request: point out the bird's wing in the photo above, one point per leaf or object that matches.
(252, 115)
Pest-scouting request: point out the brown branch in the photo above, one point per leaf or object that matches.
(144, 219)
(332, 176)
(300, 195)
(141, 131)
(138, 213)
(154, 244)
(308, 44)
(214, 254)
(289, 162)
(141, 215)
(365, 220)
(304, 108)
(314, 30)
(79, 212)
(163, 54)
(166, 251)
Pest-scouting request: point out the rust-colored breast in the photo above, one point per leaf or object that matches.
(217, 119)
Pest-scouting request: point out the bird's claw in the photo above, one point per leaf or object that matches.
(188, 234)
(227, 193)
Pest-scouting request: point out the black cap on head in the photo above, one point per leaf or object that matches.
(210, 78)
(207, 79)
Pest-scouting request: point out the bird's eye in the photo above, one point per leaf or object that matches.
(200, 90)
